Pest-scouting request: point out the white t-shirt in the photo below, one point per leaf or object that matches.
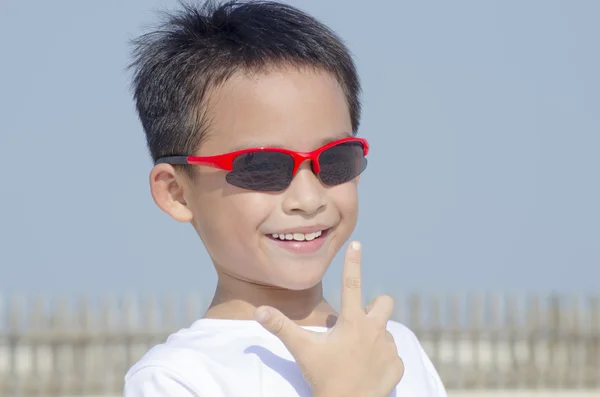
(239, 358)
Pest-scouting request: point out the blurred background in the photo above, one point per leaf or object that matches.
(479, 209)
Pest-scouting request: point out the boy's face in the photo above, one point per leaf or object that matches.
(295, 109)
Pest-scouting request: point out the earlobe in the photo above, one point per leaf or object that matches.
(168, 192)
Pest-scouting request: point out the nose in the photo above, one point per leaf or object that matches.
(305, 195)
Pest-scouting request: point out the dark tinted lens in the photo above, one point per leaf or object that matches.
(262, 171)
(342, 163)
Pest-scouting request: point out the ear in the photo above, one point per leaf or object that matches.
(167, 187)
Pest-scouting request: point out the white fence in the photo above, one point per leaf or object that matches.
(480, 343)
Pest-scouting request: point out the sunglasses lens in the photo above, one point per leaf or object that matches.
(261, 171)
(342, 163)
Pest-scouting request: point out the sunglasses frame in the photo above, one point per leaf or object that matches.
(225, 161)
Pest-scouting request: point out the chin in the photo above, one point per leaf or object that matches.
(298, 286)
(299, 278)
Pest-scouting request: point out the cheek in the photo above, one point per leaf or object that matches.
(345, 199)
(229, 224)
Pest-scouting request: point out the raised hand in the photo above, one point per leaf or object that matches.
(358, 356)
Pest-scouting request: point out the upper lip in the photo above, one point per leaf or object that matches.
(302, 229)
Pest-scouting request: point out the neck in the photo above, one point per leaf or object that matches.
(237, 300)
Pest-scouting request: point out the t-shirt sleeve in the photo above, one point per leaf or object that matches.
(156, 381)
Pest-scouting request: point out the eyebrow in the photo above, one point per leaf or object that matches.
(256, 144)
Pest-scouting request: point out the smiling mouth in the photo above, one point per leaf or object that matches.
(298, 237)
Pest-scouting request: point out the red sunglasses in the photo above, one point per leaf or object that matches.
(269, 169)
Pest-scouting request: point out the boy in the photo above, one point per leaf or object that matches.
(251, 112)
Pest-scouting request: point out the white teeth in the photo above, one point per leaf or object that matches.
(298, 236)
(312, 236)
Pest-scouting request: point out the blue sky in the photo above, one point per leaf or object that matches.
(483, 117)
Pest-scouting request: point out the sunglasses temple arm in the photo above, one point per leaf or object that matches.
(173, 160)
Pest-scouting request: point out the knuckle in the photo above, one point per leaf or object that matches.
(352, 282)
(352, 261)
(398, 368)
(277, 325)
(390, 341)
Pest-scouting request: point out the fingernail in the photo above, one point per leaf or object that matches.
(355, 246)
(262, 315)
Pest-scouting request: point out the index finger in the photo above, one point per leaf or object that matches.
(351, 280)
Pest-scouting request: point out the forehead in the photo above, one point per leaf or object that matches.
(298, 109)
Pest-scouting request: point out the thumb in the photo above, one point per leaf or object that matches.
(293, 336)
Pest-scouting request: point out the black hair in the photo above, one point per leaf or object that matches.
(201, 45)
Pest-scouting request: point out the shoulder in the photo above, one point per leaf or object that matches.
(409, 346)
(406, 340)
(400, 331)
(157, 381)
(419, 371)
(201, 360)
(177, 367)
